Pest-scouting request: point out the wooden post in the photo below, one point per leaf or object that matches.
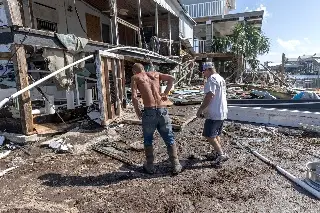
(124, 95)
(13, 12)
(120, 85)
(27, 13)
(100, 66)
(107, 83)
(114, 22)
(156, 21)
(21, 73)
(115, 68)
(140, 24)
(169, 31)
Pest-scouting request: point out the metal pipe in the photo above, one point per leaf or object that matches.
(287, 174)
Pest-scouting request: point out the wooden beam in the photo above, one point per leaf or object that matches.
(5, 55)
(107, 83)
(114, 22)
(120, 84)
(27, 13)
(114, 67)
(13, 12)
(21, 73)
(101, 83)
(140, 24)
(169, 31)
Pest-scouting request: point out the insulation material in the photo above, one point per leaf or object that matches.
(58, 59)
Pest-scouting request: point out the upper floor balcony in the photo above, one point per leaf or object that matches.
(208, 8)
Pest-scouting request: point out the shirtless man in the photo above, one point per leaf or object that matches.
(155, 114)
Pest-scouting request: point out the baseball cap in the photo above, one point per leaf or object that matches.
(207, 65)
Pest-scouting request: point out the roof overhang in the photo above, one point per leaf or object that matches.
(225, 25)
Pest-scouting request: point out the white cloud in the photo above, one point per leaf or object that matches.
(292, 48)
(307, 40)
(289, 45)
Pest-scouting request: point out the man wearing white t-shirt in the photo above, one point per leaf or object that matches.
(214, 108)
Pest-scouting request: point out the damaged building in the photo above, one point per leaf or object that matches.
(98, 41)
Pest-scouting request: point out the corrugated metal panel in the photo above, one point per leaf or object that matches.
(166, 6)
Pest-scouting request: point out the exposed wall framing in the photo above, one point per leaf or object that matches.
(110, 75)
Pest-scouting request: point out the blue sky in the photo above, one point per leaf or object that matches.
(292, 25)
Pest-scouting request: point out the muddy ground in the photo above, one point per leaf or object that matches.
(87, 181)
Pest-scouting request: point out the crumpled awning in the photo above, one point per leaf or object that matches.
(166, 6)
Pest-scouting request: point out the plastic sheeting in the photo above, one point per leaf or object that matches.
(305, 95)
(59, 59)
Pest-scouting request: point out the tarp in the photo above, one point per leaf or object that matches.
(305, 95)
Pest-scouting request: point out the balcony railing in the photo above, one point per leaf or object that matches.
(210, 8)
(204, 46)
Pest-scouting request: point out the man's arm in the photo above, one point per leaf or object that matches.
(205, 103)
(169, 79)
(134, 97)
(209, 90)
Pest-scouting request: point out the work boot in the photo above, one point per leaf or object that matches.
(173, 157)
(148, 165)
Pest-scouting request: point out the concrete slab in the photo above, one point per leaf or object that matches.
(20, 139)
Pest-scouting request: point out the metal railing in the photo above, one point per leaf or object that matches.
(199, 46)
(208, 46)
(210, 8)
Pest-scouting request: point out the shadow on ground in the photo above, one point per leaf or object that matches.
(126, 173)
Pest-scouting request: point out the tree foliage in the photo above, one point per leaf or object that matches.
(245, 40)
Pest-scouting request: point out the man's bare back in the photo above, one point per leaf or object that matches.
(148, 85)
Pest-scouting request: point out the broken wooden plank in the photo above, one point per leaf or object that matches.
(21, 73)
(188, 121)
(5, 55)
(113, 153)
(53, 128)
(3, 172)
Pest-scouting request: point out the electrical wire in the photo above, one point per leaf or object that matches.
(75, 7)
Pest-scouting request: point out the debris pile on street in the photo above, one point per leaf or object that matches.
(111, 158)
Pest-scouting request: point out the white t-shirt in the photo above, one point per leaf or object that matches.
(217, 109)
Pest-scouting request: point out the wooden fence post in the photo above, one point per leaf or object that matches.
(21, 75)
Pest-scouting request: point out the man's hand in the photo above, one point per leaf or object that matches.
(164, 97)
(199, 114)
(139, 114)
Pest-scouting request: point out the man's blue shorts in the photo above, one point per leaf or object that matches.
(212, 128)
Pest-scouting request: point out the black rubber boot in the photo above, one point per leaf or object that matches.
(148, 165)
(173, 157)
